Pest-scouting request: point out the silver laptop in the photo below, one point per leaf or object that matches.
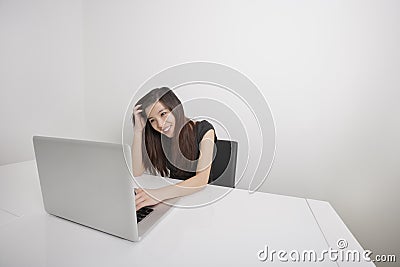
(89, 183)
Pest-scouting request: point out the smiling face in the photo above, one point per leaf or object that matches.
(161, 119)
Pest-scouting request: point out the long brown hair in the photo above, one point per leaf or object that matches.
(153, 155)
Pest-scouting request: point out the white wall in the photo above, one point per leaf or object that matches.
(328, 68)
(41, 74)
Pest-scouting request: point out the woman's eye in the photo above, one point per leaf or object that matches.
(163, 113)
(151, 121)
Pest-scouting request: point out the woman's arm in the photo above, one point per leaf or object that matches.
(136, 151)
(150, 197)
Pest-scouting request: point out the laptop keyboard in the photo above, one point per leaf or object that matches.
(142, 213)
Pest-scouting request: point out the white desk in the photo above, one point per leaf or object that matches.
(228, 232)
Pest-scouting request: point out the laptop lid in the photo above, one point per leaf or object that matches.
(88, 183)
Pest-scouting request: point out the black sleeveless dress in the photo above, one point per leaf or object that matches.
(202, 127)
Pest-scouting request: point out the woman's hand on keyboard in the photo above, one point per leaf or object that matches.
(147, 197)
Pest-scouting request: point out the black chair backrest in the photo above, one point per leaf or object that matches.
(223, 168)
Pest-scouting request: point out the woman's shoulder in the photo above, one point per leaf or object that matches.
(204, 124)
(202, 128)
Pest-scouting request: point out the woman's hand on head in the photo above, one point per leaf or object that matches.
(140, 122)
(147, 197)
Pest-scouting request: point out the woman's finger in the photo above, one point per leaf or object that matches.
(140, 200)
(138, 112)
(138, 207)
(142, 204)
(136, 109)
(139, 195)
(137, 190)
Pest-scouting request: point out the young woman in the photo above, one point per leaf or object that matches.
(165, 142)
